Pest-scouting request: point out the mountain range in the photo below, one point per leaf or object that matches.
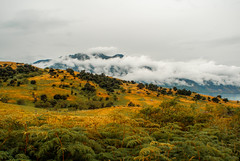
(199, 75)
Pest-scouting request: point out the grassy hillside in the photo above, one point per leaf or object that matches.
(64, 115)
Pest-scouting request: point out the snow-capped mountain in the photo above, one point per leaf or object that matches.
(197, 75)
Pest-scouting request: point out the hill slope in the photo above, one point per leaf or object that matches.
(66, 115)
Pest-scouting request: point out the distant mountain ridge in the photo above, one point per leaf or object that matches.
(83, 57)
(139, 70)
(79, 58)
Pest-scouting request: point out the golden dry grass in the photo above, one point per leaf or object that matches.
(137, 96)
(44, 86)
(11, 64)
(87, 118)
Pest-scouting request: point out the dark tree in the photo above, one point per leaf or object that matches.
(140, 85)
(133, 82)
(33, 82)
(70, 71)
(197, 97)
(184, 92)
(169, 92)
(103, 81)
(215, 99)
(163, 91)
(209, 99)
(152, 87)
(19, 83)
(225, 100)
(59, 96)
(88, 87)
(175, 88)
(130, 104)
(43, 97)
(12, 82)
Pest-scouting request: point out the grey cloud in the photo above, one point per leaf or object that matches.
(226, 41)
(176, 29)
(30, 21)
(105, 50)
(215, 42)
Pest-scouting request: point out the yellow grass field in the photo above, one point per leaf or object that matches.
(63, 118)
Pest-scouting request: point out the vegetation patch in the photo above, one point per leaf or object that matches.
(54, 114)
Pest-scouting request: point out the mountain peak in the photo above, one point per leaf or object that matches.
(103, 56)
(80, 56)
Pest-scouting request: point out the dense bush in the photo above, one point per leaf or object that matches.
(70, 71)
(4, 98)
(21, 102)
(168, 132)
(103, 81)
(152, 87)
(169, 112)
(60, 101)
(7, 71)
(199, 97)
(48, 144)
(184, 92)
(225, 100)
(33, 82)
(141, 86)
(163, 91)
(60, 97)
(131, 104)
(62, 104)
(89, 88)
(26, 68)
(215, 99)
(42, 104)
(44, 98)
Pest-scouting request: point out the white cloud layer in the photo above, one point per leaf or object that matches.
(106, 50)
(143, 68)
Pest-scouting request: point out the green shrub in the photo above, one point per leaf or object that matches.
(95, 104)
(131, 104)
(33, 82)
(44, 98)
(42, 104)
(215, 99)
(225, 100)
(21, 102)
(109, 104)
(4, 99)
(88, 88)
(60, 97)
(62, 104)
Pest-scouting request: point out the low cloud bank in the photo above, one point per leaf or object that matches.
(143, 68)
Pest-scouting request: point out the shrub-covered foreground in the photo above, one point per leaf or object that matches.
(168, 132)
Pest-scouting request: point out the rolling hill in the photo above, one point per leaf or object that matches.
(54, 114)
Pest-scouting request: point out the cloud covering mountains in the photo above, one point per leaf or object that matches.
(144, 69)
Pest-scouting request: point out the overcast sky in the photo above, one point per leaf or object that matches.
(178, 30)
